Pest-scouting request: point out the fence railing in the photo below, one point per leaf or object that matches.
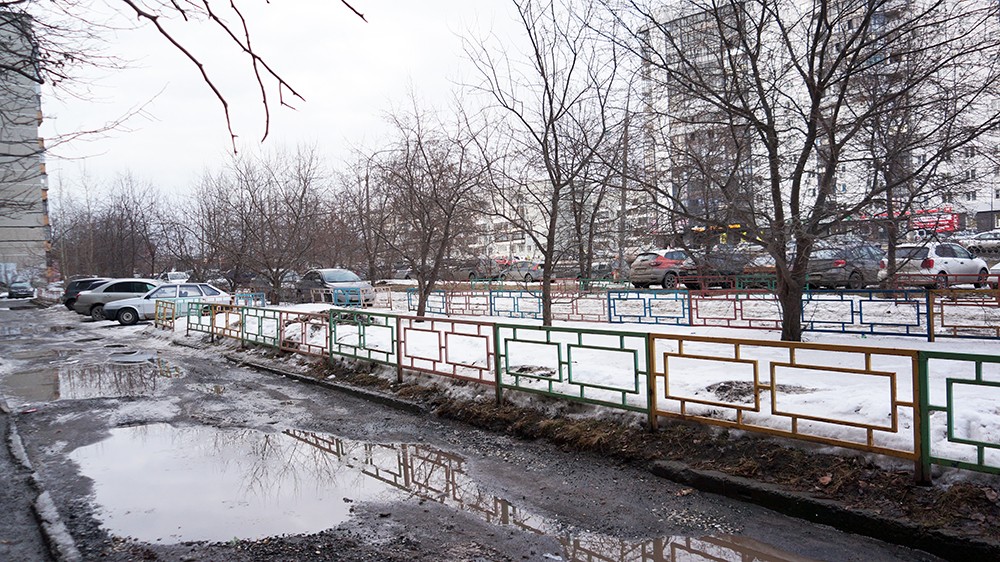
(902, 311)
(921, 406)
(958, 391)
(861, 398)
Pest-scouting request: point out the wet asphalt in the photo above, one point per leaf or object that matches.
(160, 451)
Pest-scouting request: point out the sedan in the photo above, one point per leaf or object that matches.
(937, 265)
(854, 266)
(20, 290)
(91, 302)
(339, 286)
(526, 270)
(130, 311)
(982, 243)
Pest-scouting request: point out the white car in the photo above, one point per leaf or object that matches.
(936, 264)
(995, 276)
(130, 311)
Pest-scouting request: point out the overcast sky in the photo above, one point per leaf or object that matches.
(349, 72)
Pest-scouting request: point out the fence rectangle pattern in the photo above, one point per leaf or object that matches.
(907, 400)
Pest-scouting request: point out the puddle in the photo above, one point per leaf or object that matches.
(116, 345)
(77, 382)
(158, 483)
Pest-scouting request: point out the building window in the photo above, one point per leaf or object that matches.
(970, 196)
(970, 174)
(948, 198)
(970, 152)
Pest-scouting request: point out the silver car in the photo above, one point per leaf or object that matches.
(91, 302)
(339, 286)
(982, 243)
(130, 311)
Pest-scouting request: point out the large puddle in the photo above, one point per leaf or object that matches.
(81, 381)
(158, 483)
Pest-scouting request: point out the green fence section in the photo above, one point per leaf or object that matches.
(567, 363)
(193, 313)
(955, 390)
(364, 335)
(260, 326)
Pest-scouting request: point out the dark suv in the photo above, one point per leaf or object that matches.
(75, 286)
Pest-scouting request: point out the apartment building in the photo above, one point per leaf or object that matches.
(25, 234)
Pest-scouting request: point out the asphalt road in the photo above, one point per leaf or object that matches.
(159, 451)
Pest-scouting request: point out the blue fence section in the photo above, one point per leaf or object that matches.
(516, 304)
(437, 302)
(866, 311)
(250, 299)
(649, 307)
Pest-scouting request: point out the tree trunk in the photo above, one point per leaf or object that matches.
(790, 300)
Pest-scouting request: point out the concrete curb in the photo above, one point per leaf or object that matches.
(827, 512)
(376, 397)
(54, 531)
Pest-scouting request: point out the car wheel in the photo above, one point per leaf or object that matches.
(984, 279)
(975, 250)
(855, 281)
(669, 281)
(941, 281)
(472, 277)
(97, 312)
(528, 278)
(128, 316)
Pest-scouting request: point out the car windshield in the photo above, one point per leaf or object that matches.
(339, 276)
(912, 252)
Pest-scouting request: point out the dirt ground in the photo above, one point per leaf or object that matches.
(968, 508)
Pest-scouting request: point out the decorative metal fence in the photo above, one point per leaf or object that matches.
(573, 364)
(927, 407)
(958, 390)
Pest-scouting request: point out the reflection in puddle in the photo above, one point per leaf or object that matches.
(77, 382)
(158, 483)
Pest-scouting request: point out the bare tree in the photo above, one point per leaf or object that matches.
(783, 85)
(432, 174)
(556, 107)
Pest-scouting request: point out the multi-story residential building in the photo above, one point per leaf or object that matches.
(712, 166)
(25, 237)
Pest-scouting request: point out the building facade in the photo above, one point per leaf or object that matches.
(25, 233)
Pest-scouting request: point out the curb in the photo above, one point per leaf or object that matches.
(828, 512)
(376, 397)
(54, 531)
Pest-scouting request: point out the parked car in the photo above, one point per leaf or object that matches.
(91, 302)
(982, 243)
(20, 290)
(75, 286)
(936, 264)
(853, 265)
(523, 270)
(335, 278)
(661, 267)
(666, 267)
(130, 311)
(995, 276)
(474, 269)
